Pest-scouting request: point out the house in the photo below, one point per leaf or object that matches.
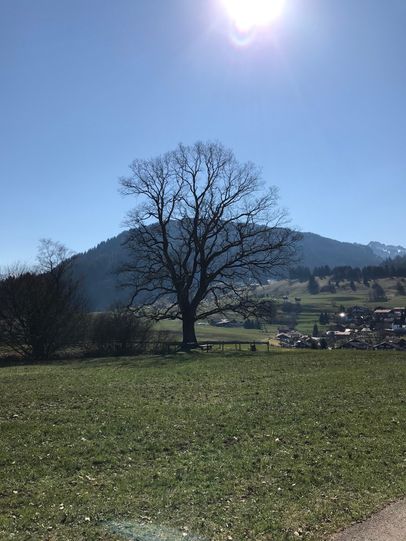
(400, 312)
(288, 338)
(384, 314)
(340, 334)
(283, 337)
(385, 346)
(401, 344)
(356, 344)
(342, 318)
(359, 311)
(226, 323)
(302, 344)
(400, 317)
(384, 319)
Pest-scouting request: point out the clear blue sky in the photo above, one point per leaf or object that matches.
(318, 100)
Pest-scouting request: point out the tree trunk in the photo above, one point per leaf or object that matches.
(39, 351)
(189, 340)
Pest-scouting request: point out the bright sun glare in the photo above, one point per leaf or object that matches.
(248, 14)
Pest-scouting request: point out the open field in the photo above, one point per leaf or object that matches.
(260, 447)
(210, 332)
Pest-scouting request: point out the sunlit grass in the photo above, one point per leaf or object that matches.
(211, 332)
(253, 447)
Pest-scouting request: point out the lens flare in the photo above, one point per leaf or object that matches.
(249, 14)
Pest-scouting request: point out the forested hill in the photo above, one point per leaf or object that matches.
(97, 271)
(316, 250)
(96, 267)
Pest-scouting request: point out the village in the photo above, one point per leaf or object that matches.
(356, 327)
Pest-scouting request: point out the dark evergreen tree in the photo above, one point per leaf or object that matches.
(377, 293)
(313, 286)
(353, 286)
(323, 343)
(400, 289)
(324, 318)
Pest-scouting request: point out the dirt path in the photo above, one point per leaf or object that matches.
(387, 525)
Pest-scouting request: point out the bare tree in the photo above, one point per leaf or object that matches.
(119, 332)
(53, 257)
(40, 307)
(203, 230)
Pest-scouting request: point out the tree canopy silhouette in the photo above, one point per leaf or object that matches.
(203, 231)
(40, 307)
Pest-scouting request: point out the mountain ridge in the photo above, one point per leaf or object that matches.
(97, 267)
(387, 251)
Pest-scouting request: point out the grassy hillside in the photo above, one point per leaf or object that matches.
(258, 447)
(312, 305)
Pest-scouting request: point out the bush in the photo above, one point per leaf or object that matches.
(377, 293)
(400, 289)
(252, 324)
(118, 332)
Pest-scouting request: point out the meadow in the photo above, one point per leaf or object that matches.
(207, 332)
(277, 446)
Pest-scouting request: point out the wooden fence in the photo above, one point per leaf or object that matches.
(207, 346)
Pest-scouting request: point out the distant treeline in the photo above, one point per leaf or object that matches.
(392, 268)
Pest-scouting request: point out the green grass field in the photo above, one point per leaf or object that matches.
(258, 447)
(210, 332)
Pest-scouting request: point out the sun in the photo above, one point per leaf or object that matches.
(248, 14)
